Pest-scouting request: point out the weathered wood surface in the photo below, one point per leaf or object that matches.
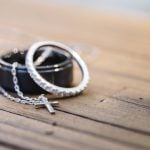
(114, 111)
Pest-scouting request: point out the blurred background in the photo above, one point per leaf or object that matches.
(86, 23)
(89, 26)
(138, 8)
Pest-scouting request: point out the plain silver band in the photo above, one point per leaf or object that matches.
(49, 87)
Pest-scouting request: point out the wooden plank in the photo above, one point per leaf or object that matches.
(5, 147)
(46, 134)
(136, 96)
(77, 123)
(109, 115)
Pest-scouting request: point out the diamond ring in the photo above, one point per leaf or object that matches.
(49, 87)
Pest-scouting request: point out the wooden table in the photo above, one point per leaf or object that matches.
(114, 112)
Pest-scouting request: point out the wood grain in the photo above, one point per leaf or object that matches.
(113, 113)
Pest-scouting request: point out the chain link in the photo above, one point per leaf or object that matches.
(23, 99)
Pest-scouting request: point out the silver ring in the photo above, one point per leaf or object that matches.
(49, 87)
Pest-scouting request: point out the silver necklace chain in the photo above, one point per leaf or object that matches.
(37, 102)
(21, 99)
(25, 99)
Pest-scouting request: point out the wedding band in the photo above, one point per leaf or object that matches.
(54, 61)
(50, 87)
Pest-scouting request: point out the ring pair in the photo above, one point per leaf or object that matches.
(59, 86)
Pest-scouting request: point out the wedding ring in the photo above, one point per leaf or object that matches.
(48, 62)
(48, 86)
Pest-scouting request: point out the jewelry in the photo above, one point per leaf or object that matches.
(53, 66)
(43, 57)
(37, 102)
(49, 87)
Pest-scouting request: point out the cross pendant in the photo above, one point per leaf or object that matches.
(43, 102)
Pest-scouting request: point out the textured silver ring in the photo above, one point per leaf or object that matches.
(49, 87)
